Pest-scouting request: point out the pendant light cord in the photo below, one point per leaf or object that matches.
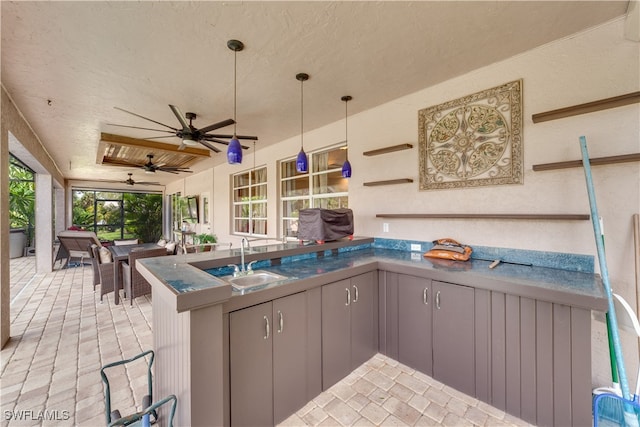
(235, 85)
(346, 137)
(302, 114)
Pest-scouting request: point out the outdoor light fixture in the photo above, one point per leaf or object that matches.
(234, 150)
(302, 163)
(187, 140)
(346, 167)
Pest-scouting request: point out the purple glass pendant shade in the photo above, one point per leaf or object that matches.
(234, 151)
(346, 169)
(302, 163)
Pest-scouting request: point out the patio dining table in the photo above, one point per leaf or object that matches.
(120, 253)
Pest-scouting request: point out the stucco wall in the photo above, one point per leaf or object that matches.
(26, 145)
(589, 66)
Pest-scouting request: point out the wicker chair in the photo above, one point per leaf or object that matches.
(105, 273)
(94, 265)
(134, 284)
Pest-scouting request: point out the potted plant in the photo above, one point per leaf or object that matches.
(202, 239)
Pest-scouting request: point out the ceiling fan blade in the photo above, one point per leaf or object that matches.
(160, 137)
(215, 126)
(138, 127)
(167, 170)
(221, 141)
(252, 138)
(146, 118)
(172, 169)
(110, 181)
(181, 118)
(209, 146)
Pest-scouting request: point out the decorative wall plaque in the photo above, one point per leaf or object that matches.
(473, 141)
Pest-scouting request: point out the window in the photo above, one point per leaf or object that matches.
(324, 187)
(250, 202)
(116, 215)
(22, 197)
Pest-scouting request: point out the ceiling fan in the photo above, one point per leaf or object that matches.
(150, 167)
(128, 181)
(189, 134)
(131, 182)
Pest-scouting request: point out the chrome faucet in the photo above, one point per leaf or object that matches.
(242, 269)
(242, 243)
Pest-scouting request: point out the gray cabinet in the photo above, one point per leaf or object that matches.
(453, 336)
(289, 358)
(349, 326)
(251, 365)
(415, 297)
(436, 330)
(267, 359)
(364, 323)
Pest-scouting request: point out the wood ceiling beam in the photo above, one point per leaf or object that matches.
(152, 145)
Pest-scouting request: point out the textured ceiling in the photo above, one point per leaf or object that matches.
(89, 57)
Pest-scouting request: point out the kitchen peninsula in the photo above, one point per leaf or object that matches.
(517, 337)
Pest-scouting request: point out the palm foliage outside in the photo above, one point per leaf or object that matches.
(143, 215)
(22, 198)
(117, 215)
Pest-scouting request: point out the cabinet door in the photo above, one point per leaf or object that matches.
(336, 332)
(415, 299)
(289, 355)
(453, 336)
(251, 366)
(363, 321)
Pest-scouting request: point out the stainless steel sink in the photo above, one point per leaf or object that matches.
(257, 278)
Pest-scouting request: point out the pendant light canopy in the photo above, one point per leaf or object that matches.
(302, 162)
(346, 167)
(234, 150)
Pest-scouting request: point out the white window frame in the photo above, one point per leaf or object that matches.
(250, 203)
(311, 197)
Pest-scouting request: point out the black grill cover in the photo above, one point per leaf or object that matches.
(325, 224)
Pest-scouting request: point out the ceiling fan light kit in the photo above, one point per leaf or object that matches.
(188, 138)
(302, 162)
(346, 167)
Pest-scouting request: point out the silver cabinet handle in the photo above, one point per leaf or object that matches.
(438, 300)
(425, 296)
(355, 288)
(266, 327)
(280, 322)
(348, 296)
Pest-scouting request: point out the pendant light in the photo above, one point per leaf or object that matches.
(302, 163)
(234, 150)
(346, 167)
